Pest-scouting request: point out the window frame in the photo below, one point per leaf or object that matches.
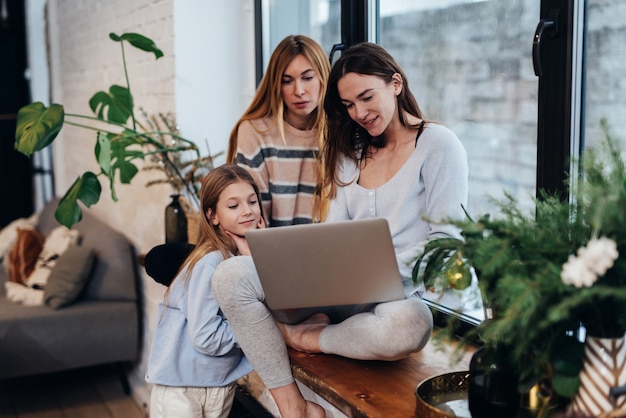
(560, 111)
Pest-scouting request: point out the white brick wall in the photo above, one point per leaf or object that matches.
(83, 60)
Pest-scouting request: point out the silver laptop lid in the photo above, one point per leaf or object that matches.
(326, 264)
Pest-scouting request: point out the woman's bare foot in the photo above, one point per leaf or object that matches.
(305, 335)
(313, 410)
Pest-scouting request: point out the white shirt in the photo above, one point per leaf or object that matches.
(431, 186)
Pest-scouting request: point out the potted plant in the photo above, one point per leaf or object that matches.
(120, 139)
(551, 277)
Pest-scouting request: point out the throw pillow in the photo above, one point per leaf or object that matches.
(57, 242)
(24, 253)
(8, 235)
(31, 291)
(69, 276)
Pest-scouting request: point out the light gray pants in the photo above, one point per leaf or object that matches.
(384, 331)
(186, 402)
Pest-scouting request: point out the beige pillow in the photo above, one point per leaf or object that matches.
(69, 276)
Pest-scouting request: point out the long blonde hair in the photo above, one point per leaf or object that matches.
(268, 101)
(212, 237)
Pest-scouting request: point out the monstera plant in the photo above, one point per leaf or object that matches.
(120, 139)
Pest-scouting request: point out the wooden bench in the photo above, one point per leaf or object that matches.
(359, 388)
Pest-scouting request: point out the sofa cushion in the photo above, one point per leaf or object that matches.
(23, 255)
(38, 339)
(68, 278)
(56, 243)
(115, 273)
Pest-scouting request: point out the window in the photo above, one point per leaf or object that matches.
(605, 66)
(319, 19)
(468, 64)
(474, 64)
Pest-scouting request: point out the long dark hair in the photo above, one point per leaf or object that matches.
(343, 135)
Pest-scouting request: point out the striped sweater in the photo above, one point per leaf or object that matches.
(285, 172)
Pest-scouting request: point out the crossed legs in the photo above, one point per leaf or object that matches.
(239, 294)
(388, 331)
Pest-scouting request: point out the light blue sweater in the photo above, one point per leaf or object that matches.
(432, 184)
(193, 344)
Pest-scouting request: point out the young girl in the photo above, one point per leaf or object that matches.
(195, 360)
(279, 136)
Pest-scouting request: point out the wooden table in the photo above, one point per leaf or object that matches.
(372, 389)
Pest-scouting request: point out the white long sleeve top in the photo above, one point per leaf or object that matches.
(431, 186)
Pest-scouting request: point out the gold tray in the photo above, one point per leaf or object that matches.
(444, 395)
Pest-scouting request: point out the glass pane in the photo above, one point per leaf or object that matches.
(469, 65)
(605, 66)
(319, 19)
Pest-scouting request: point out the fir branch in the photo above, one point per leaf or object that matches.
(519, 259)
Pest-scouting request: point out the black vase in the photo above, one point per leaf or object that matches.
(492, 388)
(175, 221)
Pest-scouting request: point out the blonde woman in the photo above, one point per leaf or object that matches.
(279, 136)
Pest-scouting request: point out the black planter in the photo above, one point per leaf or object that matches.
(492, 388)
(175, 221)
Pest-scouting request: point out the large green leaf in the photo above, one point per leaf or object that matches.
(114, 154)
(138, 41)
(103, 153)
(87, 189)
(117, 104)
(37, 126)
(127, 170)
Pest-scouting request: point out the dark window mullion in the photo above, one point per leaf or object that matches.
(555, 99)
(354, 22)
(258, 40)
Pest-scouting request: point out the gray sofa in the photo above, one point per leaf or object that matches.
(101, 327)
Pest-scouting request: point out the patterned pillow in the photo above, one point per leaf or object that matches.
(24, 253)
(31, 292)
(8, 235)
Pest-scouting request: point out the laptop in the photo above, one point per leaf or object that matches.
(325, 264)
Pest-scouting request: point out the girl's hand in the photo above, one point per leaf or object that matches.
(240, 243)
